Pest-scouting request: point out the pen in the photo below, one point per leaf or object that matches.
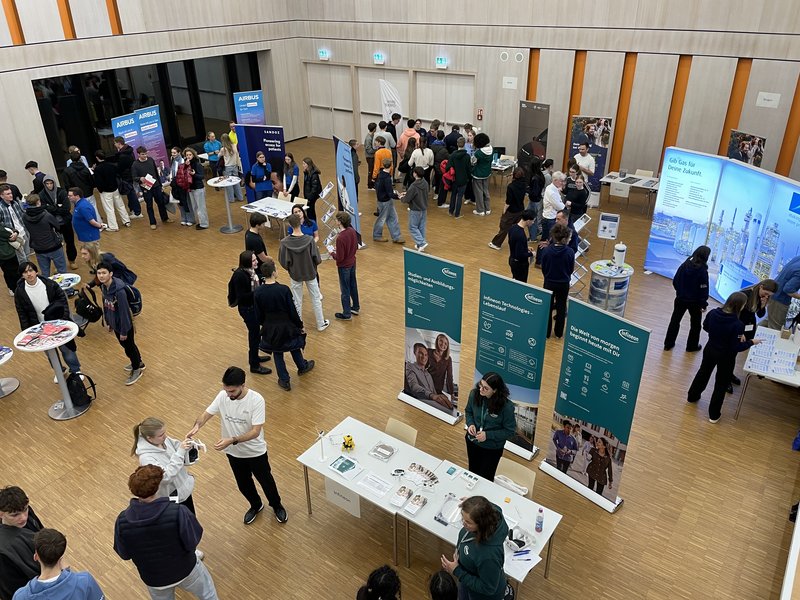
(521, 552)
(521, 559)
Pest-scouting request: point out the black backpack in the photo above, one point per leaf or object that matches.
(87, 307)
(79, 389)
(134, 299)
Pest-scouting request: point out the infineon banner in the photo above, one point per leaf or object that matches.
(249, 107)
(601, 370)
(433, 306)
(512, 328)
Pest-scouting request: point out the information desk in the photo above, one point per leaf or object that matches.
(518, 510)
(609, 284)
(8, 385)
(503, 169)
(774, 359)
(277, 210)
(643, 185)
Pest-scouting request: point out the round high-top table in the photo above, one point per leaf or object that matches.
(8, 385)
(224, 182)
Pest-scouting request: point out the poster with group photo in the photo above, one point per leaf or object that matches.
(512, 328)
(601, 370)
(746, 147)
(596, 132)
(433, 307)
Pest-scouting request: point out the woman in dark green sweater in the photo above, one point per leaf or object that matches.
(490, 423)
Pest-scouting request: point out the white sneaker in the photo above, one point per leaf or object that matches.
(11, 293)
(480, 214)
(422, 248)
(493, 247)
(135, 375)
(445, 206)
(199, 554)
(488, 212)
(436, 196)
(139, 216)
(361, 246)
(324, 325)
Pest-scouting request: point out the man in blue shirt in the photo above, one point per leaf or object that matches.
(566, 447)
(788, 281)
(85, 222)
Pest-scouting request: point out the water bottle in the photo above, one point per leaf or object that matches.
(540, 521)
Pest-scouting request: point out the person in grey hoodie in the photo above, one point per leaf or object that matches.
(417, 199)
(44, 237)
(299, 255)
(481, 169)
(55, 200)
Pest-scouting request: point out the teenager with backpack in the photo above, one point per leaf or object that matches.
(119, 318)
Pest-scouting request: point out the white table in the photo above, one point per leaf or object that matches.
(67, 281)
(8, 385)
(223, 182)
(503, 169)
(279, 210)
(769, 359)
(519, 509)
(63, 409)
(638, 182)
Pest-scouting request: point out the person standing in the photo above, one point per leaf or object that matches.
(408, 133)
(253, 240)
(459, 161)
(369, 154)
(299, 255)
(422, 156)
(15, 193)
(691, 294)
(451, 139)
(312, 186)
(788, 281)
(382, 584)
(45, 239)
(261, 177)
(77, 174)
(481, 169)
(119, 319)
(85, 222)
(12, 217)
(519, 255)
(18, 524)
(599, 471)
(758, 296)
(490, 422)
(558, 263)
(585, 161)
(242, 416)
(291, 176)
(229, 153)
(32, 167)
(566, 448)
(180, 183)
(417, 199)
(536, 186)
(212, 147)
(577, 199)
(55, 580)
(55, 200)
(161, 538)
(381, 154)
(241, 289)
(391, 129)
(725, 340)
(124, 159)
(345, 257)
(105, 177)
(386, 196)
(145, 173)
(197, 190)
(8, 259)
(551, 204)
(515, 204)
(440, 154)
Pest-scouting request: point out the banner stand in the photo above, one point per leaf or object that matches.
(578, 487)
(521, 452)
(431, 411)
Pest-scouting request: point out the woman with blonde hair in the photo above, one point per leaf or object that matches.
(230, 154)
(440, 365)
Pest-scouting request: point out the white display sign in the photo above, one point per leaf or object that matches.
(608, 226)
(342, 497)
(768, 100)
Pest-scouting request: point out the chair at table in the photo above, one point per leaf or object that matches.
(401, 431)
(519, 474)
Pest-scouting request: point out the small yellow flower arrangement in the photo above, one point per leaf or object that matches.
(348, 443)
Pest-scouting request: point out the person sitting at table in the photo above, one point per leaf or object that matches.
(419, 383)
(479, 556)
(382, 584)
(261, 177)
(38, 299)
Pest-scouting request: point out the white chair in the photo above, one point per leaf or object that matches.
(401, 431)
(519, 474)
(643, 173)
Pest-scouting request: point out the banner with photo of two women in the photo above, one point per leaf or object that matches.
(601, 371)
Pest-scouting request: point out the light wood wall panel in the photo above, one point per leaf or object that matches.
(553, 88)
(647, 116)
(795, 171)
(90, 18)
(705, 104)
(601, 81)
(40, 20)
(131, 15)
(776, 77)
(287, 104)
(5, 34)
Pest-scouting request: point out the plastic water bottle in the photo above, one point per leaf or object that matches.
(540, 521)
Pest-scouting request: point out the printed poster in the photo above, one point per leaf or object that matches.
(746, 147)
(266, 138)
(595, 131)
(127, 128)
(346, 181)
(534, 119)
(249, 107)
(151, 136)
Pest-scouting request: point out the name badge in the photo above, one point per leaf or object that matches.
(750, 327)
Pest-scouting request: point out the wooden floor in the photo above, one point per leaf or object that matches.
(705, 511)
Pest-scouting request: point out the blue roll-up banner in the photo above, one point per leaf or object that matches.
(249, 108)
(126, 127)
(346, 180)
(601, 370)
(151, 135)
(266, 138)
(433, 309)
(595, 131)
(512, 328)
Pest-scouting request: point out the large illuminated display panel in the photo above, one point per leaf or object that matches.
(684, 205)
(741, 231)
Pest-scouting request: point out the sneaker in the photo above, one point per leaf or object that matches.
(488, 212)
(436, 196)
(493, 247)
(135, 216)
(129, 367)
(261, 370)
(109, 230)
(135, 376)
(710, 420)
(383, 239)
(281, 515)
(480, 214)
(355, 311)
(445, 206)
(376, 214)
(128, 224)
(342, 316)
(459, 216)
(422, 248)
(251, 514)
(11, 293)
(361, 246)
(286, 385)
(200, 227)
(153, 226)
(324, 326)
(399, 241)
(307, 368)
(199, 554)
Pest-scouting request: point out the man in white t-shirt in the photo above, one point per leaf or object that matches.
(242, 412)
(585, 161)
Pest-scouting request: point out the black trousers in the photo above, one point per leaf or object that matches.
(10, 267)
(558, 301)
(155, 194)
(69, 240)
(695, 314)
(245, 469)
(562, 465)
(370, 166)
(519, 269)
(189, 503)
(248, 314)
(483, 461)
(131, 350)
(597, 487)
(723, 362)
(507, 220)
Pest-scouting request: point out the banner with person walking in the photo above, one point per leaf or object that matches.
(346, 180)
(512, 328)
(433, 309)
(601, 370)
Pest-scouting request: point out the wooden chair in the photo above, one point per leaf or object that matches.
(401, 431)
(519, 474)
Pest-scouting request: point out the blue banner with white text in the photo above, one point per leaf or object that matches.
(264, 138)
(151, 136)
(127, 128)
(249, 107)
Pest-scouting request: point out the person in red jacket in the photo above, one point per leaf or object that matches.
(345, 257)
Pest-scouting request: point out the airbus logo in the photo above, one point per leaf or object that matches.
(243, 98)
(449, 273)
(533, 299)
(627, 335)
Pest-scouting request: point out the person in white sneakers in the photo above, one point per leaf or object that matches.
(105, 178)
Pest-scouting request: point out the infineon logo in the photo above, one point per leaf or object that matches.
(794, 204)
(533, 299)
(449, 273)
(627, 335)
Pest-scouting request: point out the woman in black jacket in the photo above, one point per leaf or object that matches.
(691, 293)
(197, 192)
(577, 198)
(725, 339)
(312, 186)
(757, 297)
(515, 204)
(241, 288)
(536, 187)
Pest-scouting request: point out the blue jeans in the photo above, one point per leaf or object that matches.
(457, 199)
(58, 258)
(417, 220)
(232, 192)
(386, 214)
(71, 357)
(186, 214)
(536, 209)
(198, 582)
(280, 363)
(349, 287)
